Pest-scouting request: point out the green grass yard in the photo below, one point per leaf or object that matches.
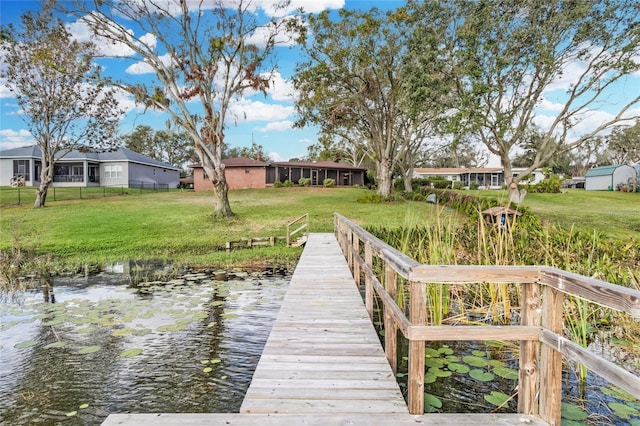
(177, 225)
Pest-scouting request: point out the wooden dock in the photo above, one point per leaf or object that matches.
(323, 363)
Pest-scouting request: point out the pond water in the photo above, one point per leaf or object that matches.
(190, 344)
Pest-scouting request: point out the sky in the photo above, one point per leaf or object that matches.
(267, 121)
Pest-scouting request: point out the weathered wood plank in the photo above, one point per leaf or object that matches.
(322, 419)
(323, 353)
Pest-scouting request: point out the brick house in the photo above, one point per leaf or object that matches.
(243, 173)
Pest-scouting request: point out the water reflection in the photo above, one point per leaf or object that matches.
(199, 337)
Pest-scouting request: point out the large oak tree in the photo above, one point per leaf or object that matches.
(204, 54)
(351, 86)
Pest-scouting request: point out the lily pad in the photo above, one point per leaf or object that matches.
(55, 321)
(507, 373)
(573, 412)
(25, 344)
(89, 350)
(130, 353)
(55, 345)
(497, 398)
(439, 373)
(458, 368)
(207, 370)
(122, 332)
(86, 330)
(617, 393)
(72, 413)
(430, 378)
(623, 411)
(481, 375)
(475, 361)
(84, 406)
(216, 361)
(445, 350)
(431, 403)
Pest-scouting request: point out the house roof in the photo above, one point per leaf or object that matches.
(249, 162)
(603, 170)
(120, 154)
(455, 170)
(318, 164)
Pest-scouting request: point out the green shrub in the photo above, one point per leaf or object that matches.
(375, 198)
(287, 183)
(277, 184)
(474, 186)
(329, 183)
(458, 184)
(304, 182)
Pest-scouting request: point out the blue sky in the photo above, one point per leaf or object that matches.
(268, 120)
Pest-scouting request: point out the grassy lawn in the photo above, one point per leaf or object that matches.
(178, 225)
(614, 214)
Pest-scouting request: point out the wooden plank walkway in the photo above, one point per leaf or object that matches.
(323, 354)
(323, 363)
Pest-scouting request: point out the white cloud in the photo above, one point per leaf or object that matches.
(276, 126)
(270, 7)
(15, 139)
(548, 105)
(81, 32)
(145, 68)
(246, 110)
(281, 89)
(4, 90)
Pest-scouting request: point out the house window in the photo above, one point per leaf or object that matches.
(113, 171)
(21, 168)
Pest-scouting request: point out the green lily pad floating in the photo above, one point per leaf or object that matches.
(430, 378)
(439, 373)
(506, 373)
(89, 350)
(475, 361)
(459, 368)
(207, 370)
(204, 362)
(481, 375)
(72, 413)
(623, 411)
(573, 412)
(130, 353)
(25, 344)
(86, 330)
(478, 353)
(497, 398)
(142, 332)
(231, 316)
(617, 393)
(179, 326)
(122, 332)
(55, 345)
(216, 361)
(445, 350)
(83, 406)
(431, 403)
(430, 352)
(434, 362)
(634, 422)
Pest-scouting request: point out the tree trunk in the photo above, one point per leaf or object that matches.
(407, 175)
(222, 207)
(46, 177)
(385, 177)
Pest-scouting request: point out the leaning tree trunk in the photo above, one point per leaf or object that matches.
(46, 177)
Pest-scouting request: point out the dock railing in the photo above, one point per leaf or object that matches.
(542, 345)
(303, 227)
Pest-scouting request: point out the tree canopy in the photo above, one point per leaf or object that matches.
(503, 62)
(56, 84)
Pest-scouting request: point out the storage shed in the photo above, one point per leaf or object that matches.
(609, 178)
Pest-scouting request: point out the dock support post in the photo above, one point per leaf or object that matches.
(551, 359)
(529, 373)
(390, 327)
(417, 316)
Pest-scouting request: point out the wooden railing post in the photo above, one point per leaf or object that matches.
(390, 327)
(529, 373)
(417, 316)
(356, 265)
(551, 359)
(368, 285)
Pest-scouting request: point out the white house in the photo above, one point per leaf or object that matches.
(485, 177)
(120, 167)
(609, 178)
